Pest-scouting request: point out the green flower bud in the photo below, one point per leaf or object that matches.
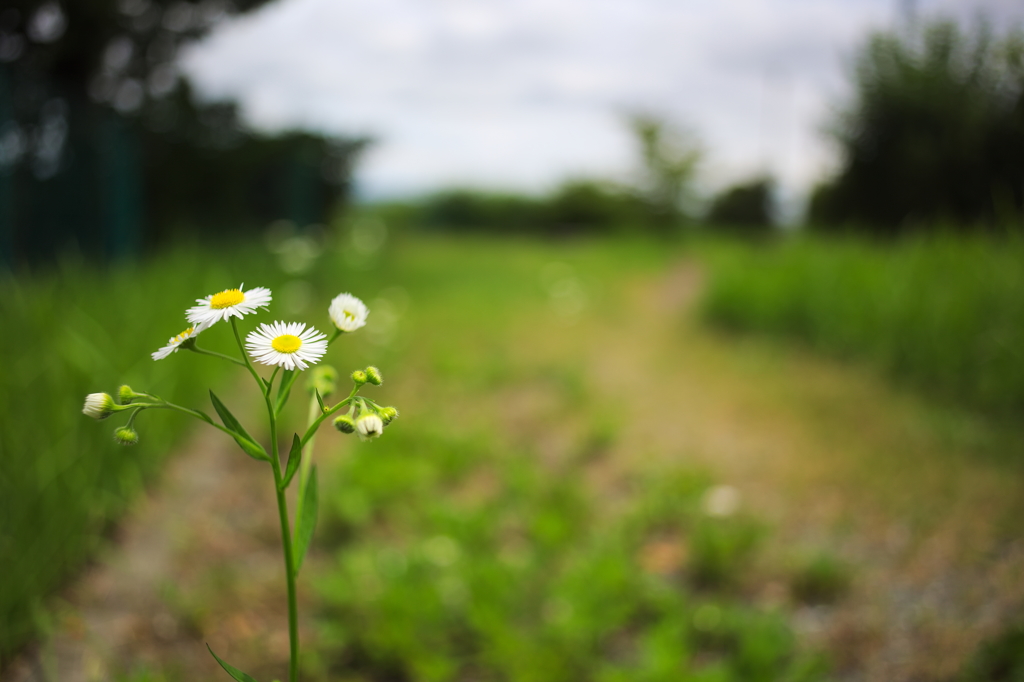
(388, 414)
(323, 379)
(373, 376)
(125, 394)
(345, 424)
(126, 435)
(359, 377)
(98, 405)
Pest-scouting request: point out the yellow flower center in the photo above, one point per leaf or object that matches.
(226, 299)
(184, 335)
(286, 343)
(349, 315)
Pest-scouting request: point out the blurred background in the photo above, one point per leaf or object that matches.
(705, 321)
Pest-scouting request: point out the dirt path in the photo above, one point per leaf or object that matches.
(197, 561)
(837, 460)
(832, 458)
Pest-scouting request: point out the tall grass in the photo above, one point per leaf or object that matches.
(945, 312)
(69, 331)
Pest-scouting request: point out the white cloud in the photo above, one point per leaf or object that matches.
(523, 93)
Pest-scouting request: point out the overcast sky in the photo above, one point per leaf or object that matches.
(520, 94)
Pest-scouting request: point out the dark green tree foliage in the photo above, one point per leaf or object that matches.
(746, 207)
(576, 207)
(102, 147)
(935, 132)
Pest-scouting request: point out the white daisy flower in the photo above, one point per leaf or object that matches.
(228, 303)
(289, 345)
(175, 341)
(369, 426)
(348, 313)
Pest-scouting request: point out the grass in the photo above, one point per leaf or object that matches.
(72, 330)
(470, 543)
(944, 313)
(536, 512)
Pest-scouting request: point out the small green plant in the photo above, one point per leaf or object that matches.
(289, 348)
(820, 579)
(999, 660)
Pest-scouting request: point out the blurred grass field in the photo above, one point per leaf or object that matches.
(942, 312)
(583, 484)
(72, 331)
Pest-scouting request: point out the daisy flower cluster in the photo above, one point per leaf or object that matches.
(285, 350)
(288, 346)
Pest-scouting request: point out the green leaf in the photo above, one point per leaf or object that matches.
(284, 389)
(294, 455)
(319, 400)
(231, 670)
(305, 522)
(238, 432)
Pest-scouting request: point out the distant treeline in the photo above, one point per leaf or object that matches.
(578, 207)
(934, 134)
(103, 149)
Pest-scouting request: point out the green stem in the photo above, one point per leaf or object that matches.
(307, 446)
(282, 512)
(311, 431)
(198, 414)
(215, 354)
(245, 358)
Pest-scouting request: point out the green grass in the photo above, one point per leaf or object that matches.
(69, 331)
(439, 575)
(945, 313)
(462, 548)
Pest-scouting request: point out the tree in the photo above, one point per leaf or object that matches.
(747, 207)
(670, 159)
(935, 132)
(103, 147)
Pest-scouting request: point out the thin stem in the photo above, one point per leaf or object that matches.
(203, 351)
(311, 431)
(245, 357)
(286, 542)
(195, 413)
(307, 447)
(282, 512)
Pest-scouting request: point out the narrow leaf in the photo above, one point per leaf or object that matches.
(231, 670)
(254, 450)
(319, 400)
(228, 418)
(238, 432)
(294, 455)
(305, 523)
(284, 388)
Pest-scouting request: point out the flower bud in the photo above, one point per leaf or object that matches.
(126, 435)
(359, 376)
(388, 414)
(369, 426)
(345, 424)
(125, 394)
(98, 405)
(323, 379)
(373, 376)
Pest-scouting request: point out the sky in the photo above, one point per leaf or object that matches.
(523, 94)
